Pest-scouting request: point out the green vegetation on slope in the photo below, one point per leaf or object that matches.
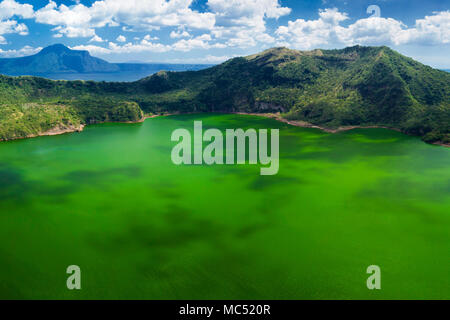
(30, 106)
(30, 119)
(331, 88)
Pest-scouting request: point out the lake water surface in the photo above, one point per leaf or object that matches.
(129, 73)
(110, 200)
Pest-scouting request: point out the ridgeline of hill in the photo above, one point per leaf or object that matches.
(356, 86)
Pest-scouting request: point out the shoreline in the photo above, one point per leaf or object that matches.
(274, 116)
(60, 131)
(52, 132)
(304, 124)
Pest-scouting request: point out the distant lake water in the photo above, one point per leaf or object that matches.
(123, 76)
(139, 71)
(110, 200)
(108, 77)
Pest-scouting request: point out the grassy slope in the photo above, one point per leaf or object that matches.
(32, 106)
(353, 86)
(31, 119)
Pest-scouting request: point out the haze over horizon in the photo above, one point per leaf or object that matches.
(212, 31)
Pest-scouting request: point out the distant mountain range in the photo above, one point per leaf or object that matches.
(60, 60)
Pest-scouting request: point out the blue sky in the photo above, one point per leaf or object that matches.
(211, 31)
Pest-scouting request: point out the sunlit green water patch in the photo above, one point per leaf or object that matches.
(111, 201)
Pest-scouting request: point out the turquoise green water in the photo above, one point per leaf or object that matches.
(111, 201)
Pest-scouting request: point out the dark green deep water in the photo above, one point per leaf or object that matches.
(111, 201)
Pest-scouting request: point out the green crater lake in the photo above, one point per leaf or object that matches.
(110, 200)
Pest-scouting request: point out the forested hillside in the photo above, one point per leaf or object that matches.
(331, 88)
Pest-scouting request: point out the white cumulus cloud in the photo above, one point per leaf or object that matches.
(132, 14)
(11, 8)
(242, 23)
(434, 29)
(121, 38)
(328, 31)
(97, 38)
(25, 51)
(150, 38)
(11, 26)
(179, 34)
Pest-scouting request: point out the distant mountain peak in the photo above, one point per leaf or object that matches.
(57, 58)
(55, 48)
